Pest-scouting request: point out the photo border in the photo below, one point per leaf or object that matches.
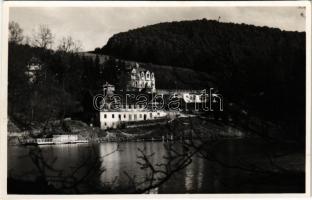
(3, 90)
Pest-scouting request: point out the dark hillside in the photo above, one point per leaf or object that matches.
(261, 69)
(205, 45)
(167, 77)
(63, 85)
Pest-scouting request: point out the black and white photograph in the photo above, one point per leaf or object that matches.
(157, 98)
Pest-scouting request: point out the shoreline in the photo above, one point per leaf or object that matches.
(173, 130)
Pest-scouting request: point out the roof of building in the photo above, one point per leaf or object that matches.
(108, 85)
(140, 69)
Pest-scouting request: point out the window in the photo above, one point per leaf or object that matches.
(113, 116)
(105, 116)
(140, 115)
(151, 115)
(135, 116)
(119, 116)
(125, 116)
(158, 113)
(130, 117)
(104, 123)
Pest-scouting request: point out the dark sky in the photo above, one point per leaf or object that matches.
(93, 26)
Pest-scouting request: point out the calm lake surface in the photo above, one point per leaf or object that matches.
(201, 176)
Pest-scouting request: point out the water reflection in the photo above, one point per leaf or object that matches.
(124, 160)
(201, 176)
(194, 175)
(110, 163)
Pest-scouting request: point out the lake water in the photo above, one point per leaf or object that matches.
(200, 176)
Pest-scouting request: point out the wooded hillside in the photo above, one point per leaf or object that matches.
(261, 69)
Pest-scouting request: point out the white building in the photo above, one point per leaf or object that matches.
(33, 68)
(108, 89)
(195, 98)
(140, 79)
(112, 119)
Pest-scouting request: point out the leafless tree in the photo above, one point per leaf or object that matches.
(179, 154)
(16, 32)
(68, 44)
(177, 159)
(203, 147)
(43, 37)
(73, 180)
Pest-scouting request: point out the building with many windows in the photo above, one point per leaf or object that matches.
(114, 119)
(117, 109)
(141, 79)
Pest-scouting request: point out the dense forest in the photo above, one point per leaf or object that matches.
(47, 85)
(52, 80)
(261, 69)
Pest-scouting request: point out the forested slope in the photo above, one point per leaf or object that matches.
(261, 69)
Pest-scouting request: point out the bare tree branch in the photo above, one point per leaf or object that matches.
(68, 44)
(43, 37)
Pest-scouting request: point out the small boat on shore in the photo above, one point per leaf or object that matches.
(56, 139)
(68, 139)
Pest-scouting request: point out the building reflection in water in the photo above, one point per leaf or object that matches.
(124, 161)
(194, 175)
(110, 163)
(201, 176)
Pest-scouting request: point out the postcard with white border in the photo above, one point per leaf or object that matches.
(208, 99)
